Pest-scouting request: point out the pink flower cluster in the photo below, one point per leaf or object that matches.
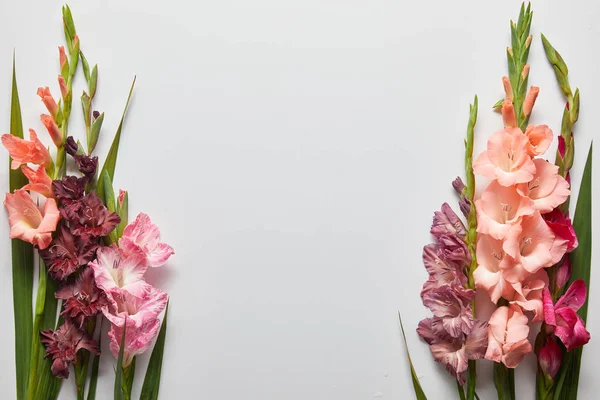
(70, 233)
(520, 231)
(453, 335)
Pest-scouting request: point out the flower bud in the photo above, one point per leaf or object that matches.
(458, 185)
(525, 71)
(563, 272)
(528, 42)
(530, 100)
(55, 133)
(48, 100)
(63, 87)
(62, 56)
(550, 357)
(71, 146)
(508, 90)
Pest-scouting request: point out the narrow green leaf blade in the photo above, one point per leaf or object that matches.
(111, 159)
(95, 368)
(581, 263)
(152, 379)
(419, 393)
(119, 394)
(22, 264)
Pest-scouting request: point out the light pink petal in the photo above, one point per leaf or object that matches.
(517, 328)
(514, 353)
(483, 166)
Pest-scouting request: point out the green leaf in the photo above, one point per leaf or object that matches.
(94, 133)
(69, 26)
(504, 380)
(22, 265)
(95, 368)
(85, 66)
(93, 81)
(581, 263)
(152, 378)
(36, 344)
(85, 106)
(119, 394)
(111, 159)
(419, 393)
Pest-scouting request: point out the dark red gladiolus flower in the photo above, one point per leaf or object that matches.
(66, 253)
(63, 344)
(81, 298)
(89, 218)
(69, 189)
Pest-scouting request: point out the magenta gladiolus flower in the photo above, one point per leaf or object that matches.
(562, 318)
(115, 270)
(81, 298)
(143, 237)
(137, 339)
(136, 310)
(63, 344)
(66, 253)
(562, 227)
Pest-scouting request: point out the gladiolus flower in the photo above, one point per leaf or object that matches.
(142, 236)
(26, 151)
(39, 181)
(533, 245)
(550, 357)
(81, 298)
(69, 189)
(89, 218)
(66, 253)
(48, 100)
(453, 306)
(123, 306)
(507, 334)
(55, 133)
(499, 208)
(442, 271)
(562, 317)
(562, 227)
(115, 270)
(539, 138)
(446, 222)
(528, 294)
(493, 265)
(27, 222)
(547, 189)
(506, 158)
(63, 344)
(137, 340)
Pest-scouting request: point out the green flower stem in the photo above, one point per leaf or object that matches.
(517, 56)
(127, 382)
(36, 344)
(471, 239)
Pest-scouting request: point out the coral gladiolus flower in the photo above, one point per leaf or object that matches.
(27, 222)
(493, 266)
(123, 306)
(26, 151)
(39, 181)
(48, 100)
(142, 236)
(547, 189)
(137, 340)
(499, 208)
(506, 158)
(530, 243)
(63, 344)
(562, 317)
(115, 270)
(539, 138)
(528, 294)
(507, 334)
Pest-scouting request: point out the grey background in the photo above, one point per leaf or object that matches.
(293, 153)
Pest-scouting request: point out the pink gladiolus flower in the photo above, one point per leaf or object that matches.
(48, 100)
(493, 266)
(562, 227)
(550, 357)
(532, 244)
(27, 222)
(115, 270)
(499, 208)
(136, 310)
(39, 181)
(137, 340)
(539, 138)
(528, 294)
(81, 298)
(507, 334)
(562, 317)
(453, 306)
(548, 189)
(142, 237)
(26, 151)
(506, 158)
(55, 133)
(63, 344)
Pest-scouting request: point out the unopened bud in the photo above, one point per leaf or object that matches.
(550, 357)
(525, 72)
(508, 90)
(528, 42)
(563, 272)
(530, 100)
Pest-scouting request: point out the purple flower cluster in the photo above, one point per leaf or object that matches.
(453, 335)
(85, 221)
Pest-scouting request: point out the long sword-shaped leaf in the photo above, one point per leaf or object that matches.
(22, 265)
(119, 392)
(111, 159)
(581, 259)
(152, 378)
(419, 393)
(95, 368)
